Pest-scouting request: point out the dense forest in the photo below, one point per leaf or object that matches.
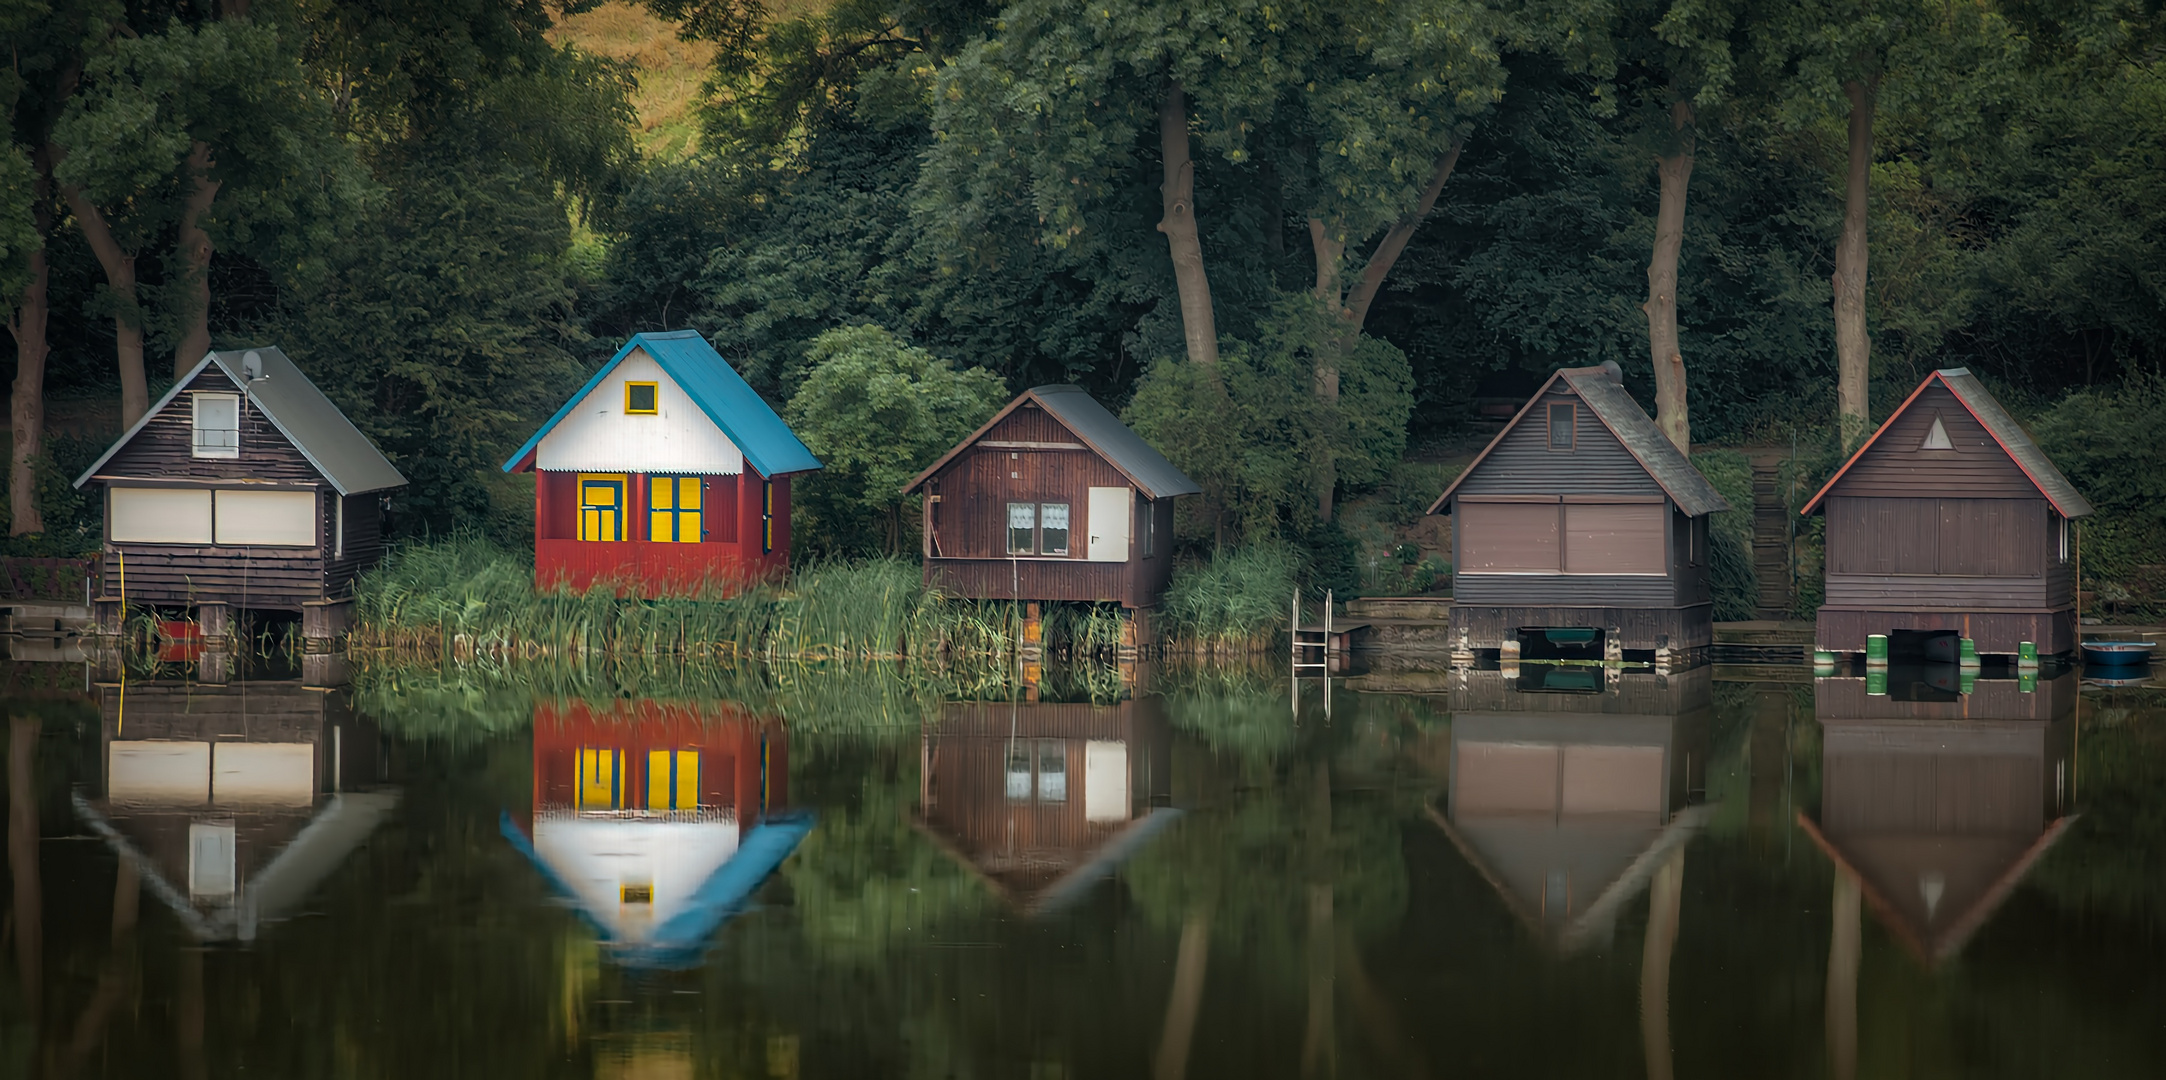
(1301, 247)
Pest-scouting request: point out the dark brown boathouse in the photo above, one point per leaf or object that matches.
(1949, 523)
(243, 486)
(1581, 516)
(1053, 499)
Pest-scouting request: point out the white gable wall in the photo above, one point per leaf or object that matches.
(596, 436)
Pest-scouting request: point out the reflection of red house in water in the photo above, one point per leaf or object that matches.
(657, 819)
(1043, 799)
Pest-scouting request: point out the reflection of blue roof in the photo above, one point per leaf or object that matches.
(680, 941)
(768, 443)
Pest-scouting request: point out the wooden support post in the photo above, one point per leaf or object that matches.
(214, 667)
(323, 622)
(105, 614)
(214, 620)
(1033, 630)
(1613, 645)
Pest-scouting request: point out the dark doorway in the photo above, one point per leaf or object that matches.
(1560, 643)
(1926, 646)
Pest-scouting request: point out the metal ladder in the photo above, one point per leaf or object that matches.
(1319, 640)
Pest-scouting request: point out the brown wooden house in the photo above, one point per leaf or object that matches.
(1581, 514)
(1042, 799)
(1053, 499)
(242, 486)
(1949, 522)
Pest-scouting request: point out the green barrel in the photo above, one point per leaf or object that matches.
(1824, 658)
(2026, 652)
(1876, 682)
(2027, 681)
(1967, 653)
(1876, 648)
(1967, 681)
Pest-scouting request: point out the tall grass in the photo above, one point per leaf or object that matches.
(1236, 602)
(466, 599)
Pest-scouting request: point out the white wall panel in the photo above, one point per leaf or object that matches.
(277, 518)
(1105, 781)
(597, 436)
(282, 774)
(163, 773)
(160, 515)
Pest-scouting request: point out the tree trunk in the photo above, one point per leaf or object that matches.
(1181, 1008)
(195, 251)
(1320, 1045)
(1198, 325)
(127, 320)
(1842, 999)
(1328, 249)
(26, 407)
(1394, 242)
(1675, 171)
(1853, 349)
(28, 916)
(1664, 896)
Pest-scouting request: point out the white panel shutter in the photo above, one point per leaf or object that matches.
(1105, 781)
(280, 773)
(267, 517)
(159, 515)
(1110, 508)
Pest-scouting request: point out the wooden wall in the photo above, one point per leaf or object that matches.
(730, 558)
(1976, 468)
(1522, 465)
(966, 520)
(1640, 628)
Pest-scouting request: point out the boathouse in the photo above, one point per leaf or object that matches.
(656, 820)
(242, 487)
(1949, 523)
(664, 473)
(1052, 499)
(1580, 528)
(1041, 800)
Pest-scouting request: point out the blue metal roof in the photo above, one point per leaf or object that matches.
(769, 445)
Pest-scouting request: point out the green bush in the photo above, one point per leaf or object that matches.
(1238, 596)
(1729, 535)
(2107, 443)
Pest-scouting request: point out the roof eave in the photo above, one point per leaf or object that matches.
(144, 420)
(1437, 507)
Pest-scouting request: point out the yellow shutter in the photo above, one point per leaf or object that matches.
(597, 782)
(601, 506)
(672, 780)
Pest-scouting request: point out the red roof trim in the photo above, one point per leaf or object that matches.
(1814, 503)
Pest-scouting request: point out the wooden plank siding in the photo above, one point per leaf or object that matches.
(1975, 468)
(1843, 697)
(271, 578)
(1638, 628)
(1532, 527)
(1997, 633)
(1030, 456)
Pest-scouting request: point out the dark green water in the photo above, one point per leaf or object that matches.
(1447, 875)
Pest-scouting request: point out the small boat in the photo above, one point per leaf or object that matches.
(2135, 679)
(2117, 653)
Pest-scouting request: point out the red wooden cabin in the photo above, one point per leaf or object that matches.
(665, 473)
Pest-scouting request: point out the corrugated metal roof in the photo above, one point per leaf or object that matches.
(768, 443)
(298, 410)
(1099, 429)
(1607, 399)
(2010, 436)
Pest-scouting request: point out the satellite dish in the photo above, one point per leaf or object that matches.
(1615, 373)
(252, 366)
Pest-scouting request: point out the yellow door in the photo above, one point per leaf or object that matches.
(601, 506)
(597, 787)
(673, 509)
(672, 779)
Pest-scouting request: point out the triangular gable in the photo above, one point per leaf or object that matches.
(2005, 432)
(767, 443)
(299, 411)
(1102, 433)
(1629, 425)
(1935, 949)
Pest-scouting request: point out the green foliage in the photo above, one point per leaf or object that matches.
(2107, 443)
(1729, 535)
(1236, 598)
(877, 411)
(18, 226)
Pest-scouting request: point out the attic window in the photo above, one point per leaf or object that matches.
(1560, 425)
(640, 399)
(217, 426)
(1937, 438)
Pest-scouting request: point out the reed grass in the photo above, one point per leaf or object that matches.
(1237, 602)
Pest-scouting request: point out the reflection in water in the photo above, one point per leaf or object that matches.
(233, 801)
(657, 821)
(1416, 885)
(1568, 801)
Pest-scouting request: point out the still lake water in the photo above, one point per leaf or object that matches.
(1190, 874)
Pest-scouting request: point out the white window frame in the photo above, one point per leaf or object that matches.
(196, 430)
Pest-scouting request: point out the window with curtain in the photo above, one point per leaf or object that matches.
(1053, 528)
(1022, 528)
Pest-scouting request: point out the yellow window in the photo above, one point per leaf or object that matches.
(673, 509)
(641, 399)
(601, 506)
(672, 779)
(597, 787)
